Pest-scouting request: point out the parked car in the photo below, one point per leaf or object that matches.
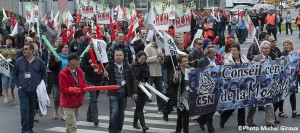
(240, 8)
(265, 7)
(297, 4)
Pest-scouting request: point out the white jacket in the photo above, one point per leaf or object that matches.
(43, 98)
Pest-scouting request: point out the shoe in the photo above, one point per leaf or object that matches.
(144, 111)
(165, 117)
(89, 120)
(222, 123)
(136, 126)
(261, 108)
(295, 115)
(5, 101)
(272, 125)
(251, 125)
(96, 122)
(145, 129)
(63, 119)
(201, 126)
(282, 115)
(149, 100)
(277, 121)
(159, 112)
(55, 117)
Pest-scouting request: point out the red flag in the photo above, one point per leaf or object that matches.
(138, 14)
(124, 11)
(172, 31)
(206, 14)
(187, 38)
(70, 34)
(63, 37)
(99, 35)
(216, 41)
(219, 58)
(113, 34)
(129, 34)
(91, 51)
(13, 20)
(118, 26)
(141, 23)
(238, 15)
(199, 15)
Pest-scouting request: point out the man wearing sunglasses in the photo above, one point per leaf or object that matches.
(28, 73)
(27, 41)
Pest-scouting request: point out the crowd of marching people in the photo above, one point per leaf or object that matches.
(134, 62)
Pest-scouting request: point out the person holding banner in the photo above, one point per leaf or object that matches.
(119, 73)
(56, 65)
(177, 81)
(71, 83)
(234, 58)
(254, 47)
(270, 117)
(209, 60)
(142, 74)
(288, 50)
(93, 76)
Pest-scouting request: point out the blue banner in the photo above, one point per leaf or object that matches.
(239, 86)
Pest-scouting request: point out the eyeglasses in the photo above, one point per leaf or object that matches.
(266, 48)
(273, 41)
(31, 42)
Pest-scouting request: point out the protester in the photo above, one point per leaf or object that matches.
(264, 56)
(288, 22)
(271, 23)
(288, 50)
(234, 58)
(56, 65)
(178, 81)
(298, 23)
(28, 72)
(208, 28)
(142, 74)
(209, 60)
(119, 73)
(197, 53)
(254, 47)
(93, 76)
(71, 83)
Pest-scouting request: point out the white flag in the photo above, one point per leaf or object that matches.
(100, 50)
(4, 68)
(4, 14)
(159, 38)
(121, 16)
(15, 30)
(197, 35)
(56, 19)
(170, 47)
(151, 18)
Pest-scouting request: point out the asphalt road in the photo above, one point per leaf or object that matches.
(10, 114)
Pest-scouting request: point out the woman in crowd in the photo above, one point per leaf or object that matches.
(208, 29)
(234, 58)
(178, 82)
(288, 22)
(55, 65)
(142, 74)
(288, 50)
(9, 52)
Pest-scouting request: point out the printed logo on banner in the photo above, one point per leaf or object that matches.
(206, 84)
(172, 47)
(99, 49)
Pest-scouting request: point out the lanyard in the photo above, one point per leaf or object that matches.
(76, 79)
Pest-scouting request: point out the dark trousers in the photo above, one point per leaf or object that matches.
(182, 121)
(0, 86)
(27, 106)
(207, 119)
(299, 29)
(287, 27)
(273, 31)
(157, 80)
(92, 112)
(241, 35)
(140, 103)
(278, 105)
(241, 116)
(279, 27)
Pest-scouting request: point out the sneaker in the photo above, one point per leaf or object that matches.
(5, 101)
(159, 112)
(144, 111)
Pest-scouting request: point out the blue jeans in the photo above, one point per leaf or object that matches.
(165, 80)
(92, 112)
(231, 33)
(28, 102)
(221, 38)
(158, 86)
(117, 105)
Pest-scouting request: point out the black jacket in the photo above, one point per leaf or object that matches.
(129, 78)
(141, 72)
(90, 74)
(55, 68)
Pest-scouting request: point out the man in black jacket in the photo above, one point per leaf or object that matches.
(93, 74)
(208, 60)
(119, 73)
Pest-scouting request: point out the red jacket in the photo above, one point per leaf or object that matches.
(69, 99)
